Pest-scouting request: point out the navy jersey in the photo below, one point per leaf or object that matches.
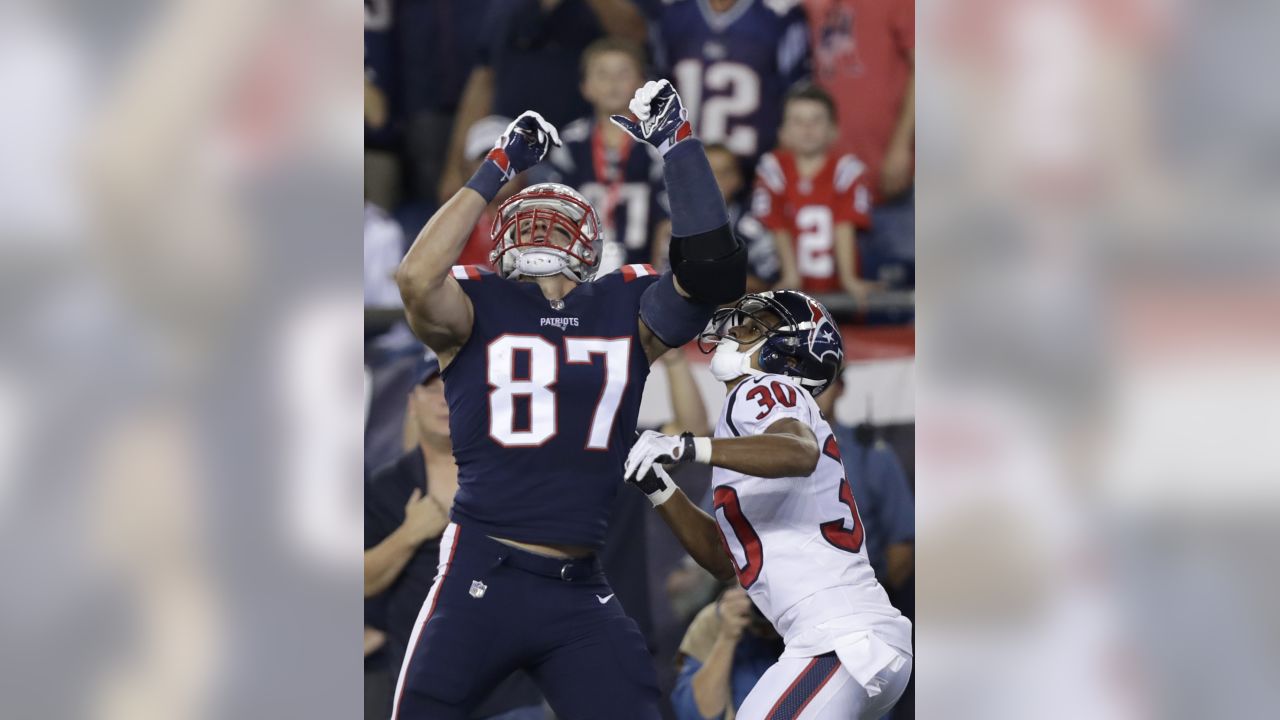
(625, 188)
(732, 69)
(543, 405)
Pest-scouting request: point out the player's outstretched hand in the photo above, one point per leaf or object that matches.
(654, 447)
(524, 143)
(657, 116)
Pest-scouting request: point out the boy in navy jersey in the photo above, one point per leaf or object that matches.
(621, 178)
(544, 366)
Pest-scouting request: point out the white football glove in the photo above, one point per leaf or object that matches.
(657, 485)
(653, 449)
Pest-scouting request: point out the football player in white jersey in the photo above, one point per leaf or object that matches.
(785, 519)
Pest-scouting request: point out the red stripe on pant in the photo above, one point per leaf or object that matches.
(439, 588)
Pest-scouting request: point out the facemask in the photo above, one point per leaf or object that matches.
(729, 363)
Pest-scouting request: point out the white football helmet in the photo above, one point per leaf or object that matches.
(546, 229)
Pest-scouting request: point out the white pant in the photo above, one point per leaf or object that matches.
(827, 687)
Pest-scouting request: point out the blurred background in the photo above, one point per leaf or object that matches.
(1095, 399)
(807, 112)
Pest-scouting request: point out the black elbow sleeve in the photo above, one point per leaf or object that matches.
(711, 266)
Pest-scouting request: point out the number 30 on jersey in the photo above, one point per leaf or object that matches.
(536, 387)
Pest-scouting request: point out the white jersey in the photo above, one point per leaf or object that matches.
(797, 542)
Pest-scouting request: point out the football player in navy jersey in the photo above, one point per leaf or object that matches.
(733, 62)
(544, 366)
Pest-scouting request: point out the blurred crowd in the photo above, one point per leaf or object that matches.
(806, 109)
(807, 113)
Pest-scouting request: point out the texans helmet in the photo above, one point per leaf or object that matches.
(800, 341)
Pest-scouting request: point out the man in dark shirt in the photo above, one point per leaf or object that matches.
(404, 516)
(529, 61)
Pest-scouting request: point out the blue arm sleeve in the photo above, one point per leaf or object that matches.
(673, 318)
(696, 205)
(682, 701)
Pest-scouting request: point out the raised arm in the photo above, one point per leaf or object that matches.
(439, 312)
(708, 264)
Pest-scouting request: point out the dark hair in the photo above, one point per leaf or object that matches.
(613, 44)
(809, 91)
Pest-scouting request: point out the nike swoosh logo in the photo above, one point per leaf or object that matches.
(605, 599)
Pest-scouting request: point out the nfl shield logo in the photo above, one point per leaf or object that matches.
(478, 588)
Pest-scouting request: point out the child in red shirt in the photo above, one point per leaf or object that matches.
(812, 200)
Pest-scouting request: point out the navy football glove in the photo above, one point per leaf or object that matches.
(521, 146)
(658, 116)
(524, 143)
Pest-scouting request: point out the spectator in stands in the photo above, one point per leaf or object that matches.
(381, 103)
(812, 200)
(880, 489)
(864, 53)
(622, 179)
(733, 62)
(529, 60)
(726, 650)
(437, 42)
(406, 509)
